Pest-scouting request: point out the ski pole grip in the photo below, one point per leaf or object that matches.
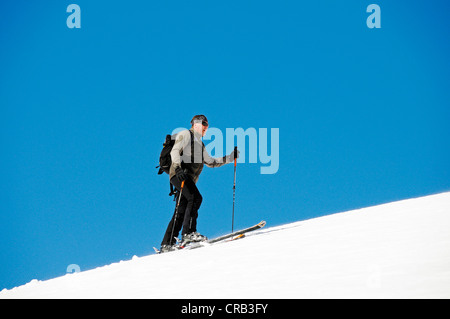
(182, 184)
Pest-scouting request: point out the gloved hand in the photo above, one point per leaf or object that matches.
(181, 175)
(233, 155)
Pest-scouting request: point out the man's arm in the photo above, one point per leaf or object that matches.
(217, 162)
(181, 141)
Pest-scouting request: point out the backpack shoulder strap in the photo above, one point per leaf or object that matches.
(192, 146)
(173, 191)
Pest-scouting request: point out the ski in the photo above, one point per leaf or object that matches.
(236, 233)
(228, 237)
(225, 238)
(235, 237)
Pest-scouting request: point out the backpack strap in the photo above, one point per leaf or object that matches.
(192, 146)
(173, 192)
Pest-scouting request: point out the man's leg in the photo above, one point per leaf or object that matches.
(173, 231)
(193, 200)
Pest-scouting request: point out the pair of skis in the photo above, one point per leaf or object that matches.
(232, 236)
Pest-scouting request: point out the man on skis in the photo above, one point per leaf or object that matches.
(188, 157)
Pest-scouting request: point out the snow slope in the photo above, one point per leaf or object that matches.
(395, 250)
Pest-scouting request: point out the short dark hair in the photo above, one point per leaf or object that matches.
(199, 118)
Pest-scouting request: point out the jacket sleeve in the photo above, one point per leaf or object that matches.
(215, 162)
(181, 141)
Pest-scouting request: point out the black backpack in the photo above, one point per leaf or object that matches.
(165, 160)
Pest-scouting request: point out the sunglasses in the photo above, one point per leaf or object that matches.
(204, 123)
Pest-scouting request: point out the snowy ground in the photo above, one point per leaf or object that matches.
(396, 250)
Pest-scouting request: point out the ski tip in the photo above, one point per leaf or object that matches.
(262, 223)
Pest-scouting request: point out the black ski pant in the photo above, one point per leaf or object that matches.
(187, 213)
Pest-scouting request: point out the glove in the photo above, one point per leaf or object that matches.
(181, 175)
(233, 155)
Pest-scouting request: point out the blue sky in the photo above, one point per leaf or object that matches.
(362, 113)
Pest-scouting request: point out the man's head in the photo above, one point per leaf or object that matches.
(200, 124)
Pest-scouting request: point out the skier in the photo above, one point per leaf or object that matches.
(188, 156)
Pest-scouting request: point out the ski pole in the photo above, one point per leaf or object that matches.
(234, 188)
(176, 211)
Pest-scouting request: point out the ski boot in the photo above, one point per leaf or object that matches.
(192, 238)
(168, 248)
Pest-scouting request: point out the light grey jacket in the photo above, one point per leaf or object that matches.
(183, 149)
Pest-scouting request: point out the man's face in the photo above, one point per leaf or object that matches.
(200, 128)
